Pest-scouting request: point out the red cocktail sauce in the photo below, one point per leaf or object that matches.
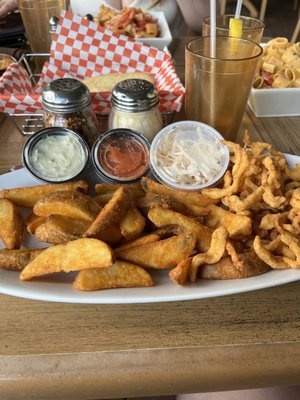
(123, 157)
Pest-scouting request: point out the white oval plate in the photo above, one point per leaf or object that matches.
(60, 289)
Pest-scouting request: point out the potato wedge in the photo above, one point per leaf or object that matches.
(33, 221)
(238, 226)
(134, 189)
(150, 238)
(162, 254)
(195, 202)
(111, 213)
(120, 275)
(28, 196)
(71, 204)
(152, 200)
(72, 256)
(132, 224)
(163, 217)
(225, 269)
(11, 225)
(17, 259)
(60, 229)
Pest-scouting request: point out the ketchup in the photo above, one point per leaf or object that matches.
(124, 157)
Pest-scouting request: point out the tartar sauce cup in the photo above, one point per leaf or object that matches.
(121, 155)
(55, 155)
(189, 155)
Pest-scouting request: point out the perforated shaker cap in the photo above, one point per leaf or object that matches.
(134, 95)
(65, 95)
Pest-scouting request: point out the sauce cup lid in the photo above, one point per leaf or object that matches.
(121, 155)
(189, 155)
(55, 155)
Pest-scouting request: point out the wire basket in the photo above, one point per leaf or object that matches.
(34, 122)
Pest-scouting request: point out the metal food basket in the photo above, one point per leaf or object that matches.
(28, 124)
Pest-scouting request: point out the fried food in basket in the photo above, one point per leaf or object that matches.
(120, 275)
(72, 256)
(11, 225)
(69, 203)
(16, 260)
(28, 196)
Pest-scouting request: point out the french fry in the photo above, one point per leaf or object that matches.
(33, 221)
(28, 196)
(60, 229)
(71, 204)
(162, 254)
(120, 275)
(17, 259)
(143, 240)
(238, 226)
(132, 224)
(193, 201)
(11, 225)
(72, 256)
(152, 200)
(163, 217)
(135, 189)
(111, 213)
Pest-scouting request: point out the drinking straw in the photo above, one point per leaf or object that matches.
(238, 9)
(213, 14)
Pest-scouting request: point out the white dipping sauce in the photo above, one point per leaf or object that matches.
(57, 157)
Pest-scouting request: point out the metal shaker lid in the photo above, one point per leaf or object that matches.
(65, 95)
(134, 95)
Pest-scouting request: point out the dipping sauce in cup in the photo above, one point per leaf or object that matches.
(55, 155)
(189, 155)
(121, 155)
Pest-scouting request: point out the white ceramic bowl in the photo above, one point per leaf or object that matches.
(275, 102)
(165, 35)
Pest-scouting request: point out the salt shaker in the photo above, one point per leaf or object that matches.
(67, 103)
(135, 105)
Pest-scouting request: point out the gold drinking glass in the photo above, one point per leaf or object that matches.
(36, 15)
(217, 88)
(252, 28)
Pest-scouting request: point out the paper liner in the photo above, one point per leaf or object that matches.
(83, 49)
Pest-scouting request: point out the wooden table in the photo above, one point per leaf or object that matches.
(77, 351)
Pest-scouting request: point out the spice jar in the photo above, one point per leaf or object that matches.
(135, 105)
(67, 103)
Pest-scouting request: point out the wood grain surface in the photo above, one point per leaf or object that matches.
(77, 351)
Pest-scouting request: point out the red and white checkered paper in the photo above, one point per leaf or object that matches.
(83, 49)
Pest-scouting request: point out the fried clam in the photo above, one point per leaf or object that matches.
(28, 196)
